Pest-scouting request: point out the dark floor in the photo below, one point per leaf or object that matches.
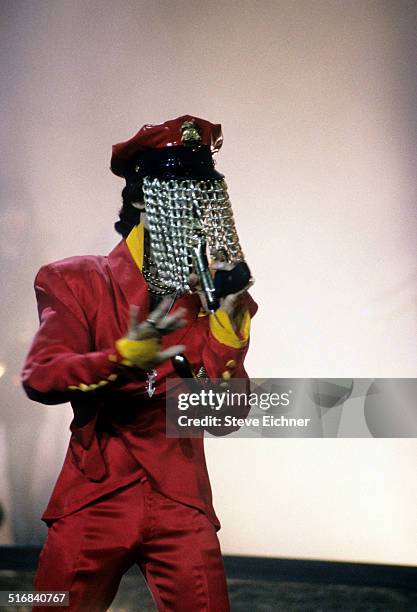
(255, 596)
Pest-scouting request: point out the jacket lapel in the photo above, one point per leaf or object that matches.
(128, 277)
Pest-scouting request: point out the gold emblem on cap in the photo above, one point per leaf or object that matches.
(190, 133)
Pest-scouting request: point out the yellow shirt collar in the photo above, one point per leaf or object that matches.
(135, 244)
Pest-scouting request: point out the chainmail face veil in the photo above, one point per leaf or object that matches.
(178, 211)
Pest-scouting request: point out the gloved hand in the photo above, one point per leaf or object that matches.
(141, 346)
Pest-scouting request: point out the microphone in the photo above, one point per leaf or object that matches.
(202, 269)
(231, 279)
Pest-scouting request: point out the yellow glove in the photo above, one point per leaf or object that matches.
(139, 353)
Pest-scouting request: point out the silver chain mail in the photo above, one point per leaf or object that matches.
(175, 209)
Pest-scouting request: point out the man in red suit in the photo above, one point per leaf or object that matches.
(109, 326)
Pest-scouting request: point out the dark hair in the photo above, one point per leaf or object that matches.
(129, 216)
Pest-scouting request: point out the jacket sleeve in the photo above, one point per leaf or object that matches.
(223, 358)
(225, 351)
(61, 360)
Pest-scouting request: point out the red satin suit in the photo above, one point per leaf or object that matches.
(126, 493)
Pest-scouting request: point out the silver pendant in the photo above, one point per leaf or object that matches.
(152, 374)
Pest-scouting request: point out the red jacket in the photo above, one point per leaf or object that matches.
(83, 307)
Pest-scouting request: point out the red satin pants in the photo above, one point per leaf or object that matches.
(175, 546)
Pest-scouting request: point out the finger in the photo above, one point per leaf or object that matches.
(195, 287)
(145, 331)
(231, 297)
(171, 326)
(171, 323)
(203, 300)
(193, 280)
(229, 302)
(133, 316)
(232, 301)
(169, 352)
(175, 316)
(160, 310)
(133, 323)
(248, 286)
(222, 265)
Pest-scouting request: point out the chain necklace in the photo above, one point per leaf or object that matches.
(156, 285)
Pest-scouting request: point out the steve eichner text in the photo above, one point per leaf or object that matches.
(266, 421)
(218, 400)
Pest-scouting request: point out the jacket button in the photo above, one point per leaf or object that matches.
(231, 363)
(226, 375)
